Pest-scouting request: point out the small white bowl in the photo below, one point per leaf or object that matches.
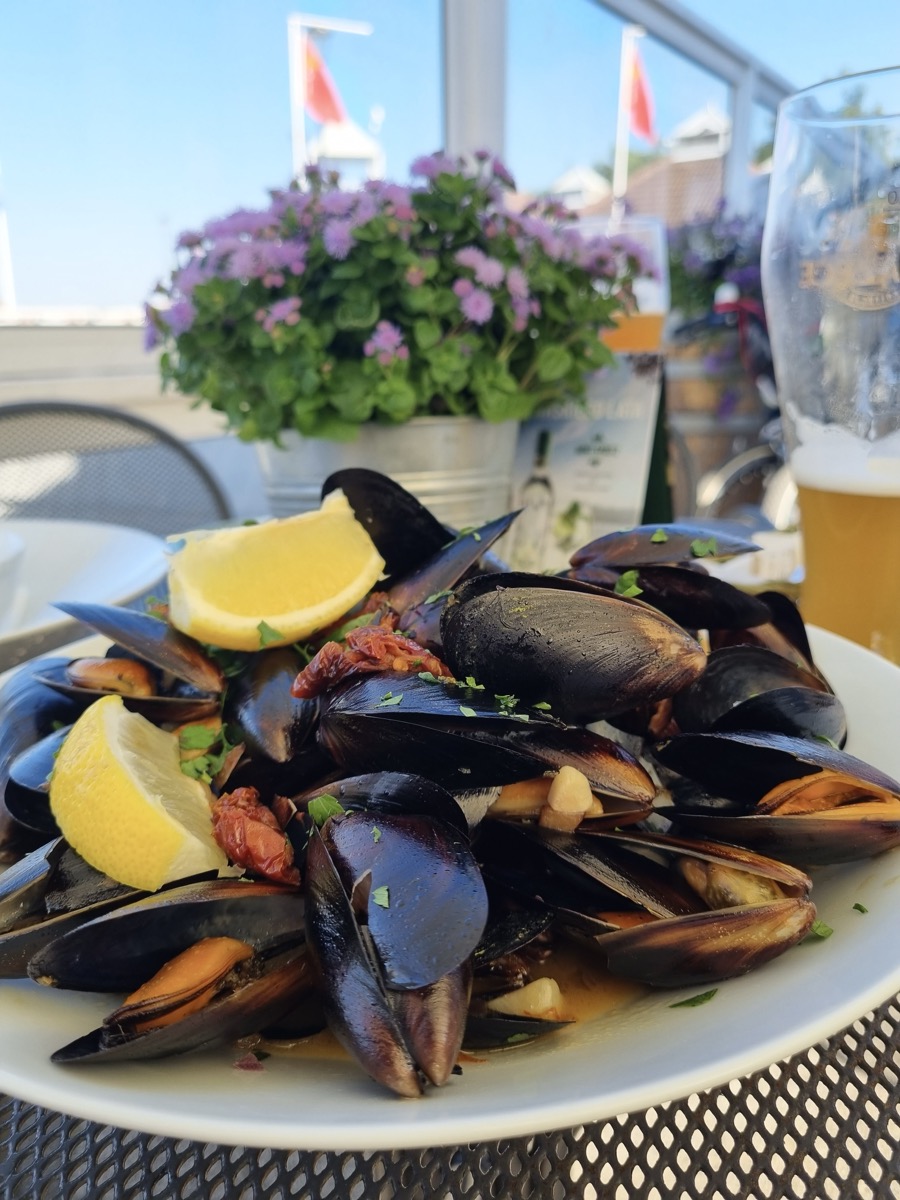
(12, 551)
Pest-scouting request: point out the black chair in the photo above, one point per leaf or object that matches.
(85, 462)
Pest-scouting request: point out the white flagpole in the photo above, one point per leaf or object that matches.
(299, 25)
(623, 121)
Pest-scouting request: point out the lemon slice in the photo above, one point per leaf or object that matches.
(121, 801)
(271, 584)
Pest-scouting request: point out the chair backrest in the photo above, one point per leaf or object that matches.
(85, 462)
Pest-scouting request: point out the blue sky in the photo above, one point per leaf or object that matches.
(123, 123)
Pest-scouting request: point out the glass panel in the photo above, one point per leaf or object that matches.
(563, 80)
(133, 122)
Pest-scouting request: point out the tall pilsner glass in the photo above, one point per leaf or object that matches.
(831, 282)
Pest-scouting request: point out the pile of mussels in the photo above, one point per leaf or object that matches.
(436, 865)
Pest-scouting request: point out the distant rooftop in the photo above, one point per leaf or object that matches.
(76, 314)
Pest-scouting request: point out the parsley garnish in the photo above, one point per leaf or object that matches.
(507, 702)
(428, 677)
(435, 596)
(695, 1001)
(701, 549)
(205, 766)
(381, 896)
(542, 705)
(466, 711)
(198, 737)
(860, 907)
(389, 700)
(376, 834)
(470, 683)
(626, 584)
(267, 635)
(515, 1038)
(819, 930)
(320, 808)
(659, 536)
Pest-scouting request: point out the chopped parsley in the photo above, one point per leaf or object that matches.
(389, 700)
(627, 585)
(466, 711)
(659, 536)
(860, 907)
(376, 834)
(695, 1001)
(428, 677)
(267, 635)
(198, 737)
(542, 706)
(819, 930)
(435, 596)
(322, 807)
(381, 896)
(701, 548)
(470, 683)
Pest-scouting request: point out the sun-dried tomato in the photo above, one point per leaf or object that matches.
(250, 835)
(368, 648)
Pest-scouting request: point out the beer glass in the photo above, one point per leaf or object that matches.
(831, 284)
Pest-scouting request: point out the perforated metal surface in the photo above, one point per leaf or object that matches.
(823, 1125)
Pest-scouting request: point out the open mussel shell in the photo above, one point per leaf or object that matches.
(585, 651)
(45, 894)
(405, 533)
(647, 545)
(27, 795)
(272, 990)
(273, 723)
(153, 641)
(488, 1030)
(425, 903)
(704, 947)
(750, 688)
(149, 932)
(399, 1040)
(391, 792)
(169, 709)
(784, 633)
(459, 737)
(697, 600)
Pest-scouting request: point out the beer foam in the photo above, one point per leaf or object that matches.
(839, 462)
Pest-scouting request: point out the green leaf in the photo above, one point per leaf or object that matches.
(376, 834)
(659, 536)
(389, 700)
(695, 1001)
(627, 585)
(470, 683)
(426, 332)
(542, 706)
(268, 636)
(819, 930)
(435, 596)
(702, 549)
(197, 737)
(428, 677)
(322, 807)
(860, 907)
(466, 711)
(382, 897)
(553, 362)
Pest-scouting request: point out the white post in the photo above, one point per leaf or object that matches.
(297, 67)
(623, 120)
(474, 50)
(299, 25)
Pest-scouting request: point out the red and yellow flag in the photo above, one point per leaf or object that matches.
(641, 101)
(323, 101)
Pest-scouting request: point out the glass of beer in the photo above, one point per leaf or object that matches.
(831, 283)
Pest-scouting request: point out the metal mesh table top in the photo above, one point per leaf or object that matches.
(822, 1125)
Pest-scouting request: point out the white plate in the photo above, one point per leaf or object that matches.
(625, 1061)
(73, 560)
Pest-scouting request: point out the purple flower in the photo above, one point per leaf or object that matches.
(152, 337)
(516, 283)
(180, 317)
(463, 288)
(470, 256)
(337, 237)
(415, 276)
(282, 311)
(432, 165)
(189, 240)
(477, 307)
(244, 221)
(192, 273)
(490, 272)
(387, 343)
(501, 173)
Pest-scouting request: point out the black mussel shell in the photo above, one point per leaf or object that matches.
(696, 600)
(405, 533)
(247, 1009)
(153, 640)
(273, 723)
(487, 1030)
(586, 652)
(170, 709)
(27, 795)
(647, 545)
(391, 792)
(146, 934)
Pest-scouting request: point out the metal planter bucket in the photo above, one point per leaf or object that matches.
(459, 467)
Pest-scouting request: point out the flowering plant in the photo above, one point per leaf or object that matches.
(330, 308)
(710, 251)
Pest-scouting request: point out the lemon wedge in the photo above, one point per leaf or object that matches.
(268, 585)
(121, 801)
